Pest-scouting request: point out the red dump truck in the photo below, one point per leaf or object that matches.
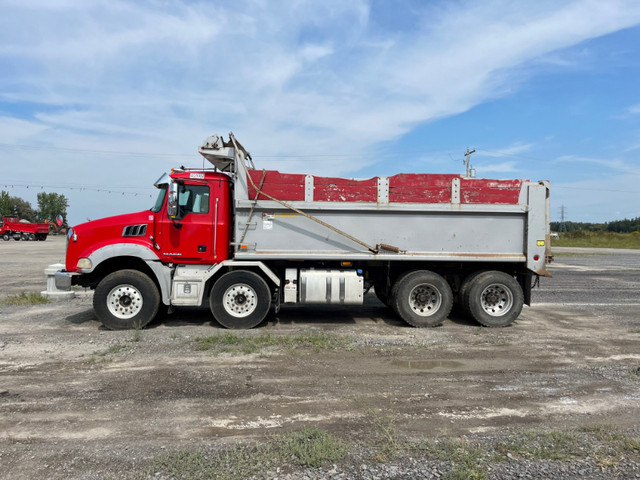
(244, 241)
(13, 227)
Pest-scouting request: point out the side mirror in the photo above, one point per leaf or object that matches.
(172, 202)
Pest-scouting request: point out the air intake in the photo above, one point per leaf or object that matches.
(134, 231)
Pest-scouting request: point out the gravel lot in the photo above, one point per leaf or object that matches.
(78, 401)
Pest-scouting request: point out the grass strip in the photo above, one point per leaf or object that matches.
(229, 342)
(24, 298)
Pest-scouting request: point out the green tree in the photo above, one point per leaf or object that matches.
(50, 205)
(6, 207)
(16, 206)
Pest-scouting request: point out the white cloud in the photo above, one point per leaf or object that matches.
(514, 149)
(614, 165)
(299, 77)
(502, 167)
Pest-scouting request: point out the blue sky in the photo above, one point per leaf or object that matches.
(98, 98)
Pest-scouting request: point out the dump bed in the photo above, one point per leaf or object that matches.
(420, 217)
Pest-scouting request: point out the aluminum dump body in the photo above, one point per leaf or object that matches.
(405, 217)
(424, 217)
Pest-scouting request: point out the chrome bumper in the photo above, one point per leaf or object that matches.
(64, 280)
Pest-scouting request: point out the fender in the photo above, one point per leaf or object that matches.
(162, 272)
(200, 274)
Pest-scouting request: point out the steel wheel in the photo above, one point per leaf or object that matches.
(124, 301)
(240, 300)
(496, 300)
(425, 300)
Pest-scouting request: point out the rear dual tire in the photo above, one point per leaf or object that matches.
(422, 298)
(494, 299)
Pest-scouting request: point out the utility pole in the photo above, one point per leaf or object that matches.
(468, 161)
(563, 226)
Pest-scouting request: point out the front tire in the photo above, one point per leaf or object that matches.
(422, 298)
(495, 299)
(240, 300)
(126, 299)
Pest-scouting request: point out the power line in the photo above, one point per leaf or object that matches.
(83, 188)
(394, 153)
(589, 189)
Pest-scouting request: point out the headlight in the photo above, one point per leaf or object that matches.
(84, 264)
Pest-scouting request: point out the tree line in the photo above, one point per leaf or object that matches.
(50, 205)
(627, 225)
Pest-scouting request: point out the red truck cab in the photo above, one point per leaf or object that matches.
(194, 230)
(197, 233)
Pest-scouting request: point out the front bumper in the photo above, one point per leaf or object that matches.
(64, 280)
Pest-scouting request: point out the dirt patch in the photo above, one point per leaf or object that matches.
(80, 401)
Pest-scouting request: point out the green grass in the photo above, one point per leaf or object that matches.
(597, 240)
(384, 440)
(603, 445)
(543, 445)
(309, 447)
(113, 349)
(32, 298)
(228, 342)
(614, 446)
(468, 461)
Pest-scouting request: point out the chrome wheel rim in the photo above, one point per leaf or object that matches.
(124, 301)
(425, 300)
(240, 300)
(496, 300)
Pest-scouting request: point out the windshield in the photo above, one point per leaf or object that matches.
(160, 200)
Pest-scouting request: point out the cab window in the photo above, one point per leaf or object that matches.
(193, 199)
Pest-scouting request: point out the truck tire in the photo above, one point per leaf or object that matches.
(422, 298)
(240, 300)
(126, 299)
(495, 299)
(32, 237)
(6, 237)
(463, 294)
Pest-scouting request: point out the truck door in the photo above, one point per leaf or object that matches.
(188, 237)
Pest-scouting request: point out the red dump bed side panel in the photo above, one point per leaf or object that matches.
(403, 188)
(283, 186)
(420, 188)
(478, 190)
(345, 190)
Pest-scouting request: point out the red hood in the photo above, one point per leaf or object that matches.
(91, 236)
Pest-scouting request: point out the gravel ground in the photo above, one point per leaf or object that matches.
(78, 401)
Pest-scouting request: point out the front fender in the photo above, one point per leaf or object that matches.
(161, 271)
